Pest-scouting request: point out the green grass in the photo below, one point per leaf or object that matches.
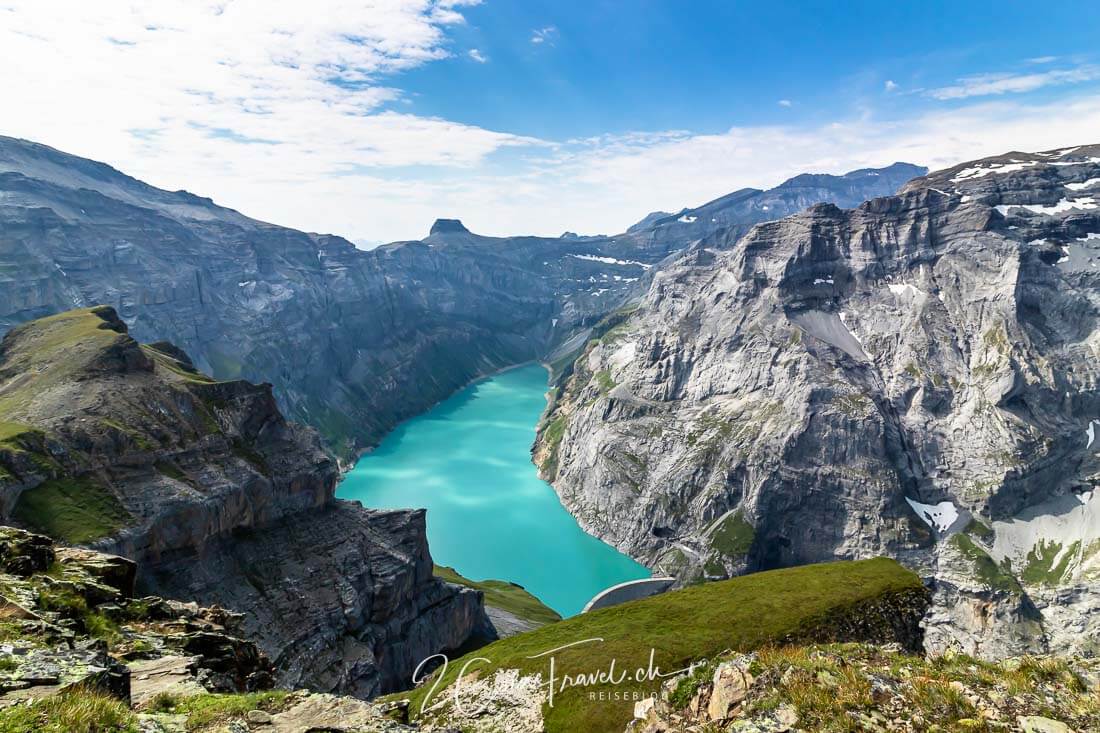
(733, 537)
(503, 595)
(12, 432)
(171, 470)
(985, 569)
(73, 605)
(203, 711)
(551, 437)
(680, 628)
(243, 451)
(976, 528)
(604, 381)
(77, 711)
(72, 510)
(175, 366)
(52, 350)
(1040, 568)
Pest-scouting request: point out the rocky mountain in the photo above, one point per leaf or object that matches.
(352, 341)
(913, 377)
(128, 449)
(732, 215)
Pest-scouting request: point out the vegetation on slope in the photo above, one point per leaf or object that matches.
(842, 687)
(77, 711)
(506, 596)
(73, 510)
(827, 601)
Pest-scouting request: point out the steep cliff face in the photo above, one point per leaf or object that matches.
(914, 377)
(128, 449)
(352, 342)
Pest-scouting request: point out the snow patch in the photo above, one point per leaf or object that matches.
(1065, 524)
(1091, 432)
(904, 288)
(611, 261)
(1082, 186)
(819, 281)
(1064, 205)
(938, 516)
(1076, 162)
(688, 219)
(832, 328)
(980, 171)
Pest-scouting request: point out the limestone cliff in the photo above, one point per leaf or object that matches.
(353, 342)
(914, 377)
(128, 449)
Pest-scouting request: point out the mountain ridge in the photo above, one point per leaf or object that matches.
(352, 341)
(909, 378)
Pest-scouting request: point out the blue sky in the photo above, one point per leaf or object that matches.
(370, 118)
(612, 67)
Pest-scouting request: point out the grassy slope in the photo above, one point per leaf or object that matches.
(43, 354)
(682, 627)
(51, 350)
(503, 595)
(73, 510)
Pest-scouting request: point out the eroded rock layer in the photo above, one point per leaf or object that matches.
(915, 377)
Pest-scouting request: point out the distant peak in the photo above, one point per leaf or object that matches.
(442, 226)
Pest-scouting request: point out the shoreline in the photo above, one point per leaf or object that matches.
(345, 468)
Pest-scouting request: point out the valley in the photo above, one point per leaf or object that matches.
(468, 462)
(753, 396)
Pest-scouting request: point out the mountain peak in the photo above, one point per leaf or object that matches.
(443, 226)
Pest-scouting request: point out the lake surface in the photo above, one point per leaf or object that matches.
(468, 461)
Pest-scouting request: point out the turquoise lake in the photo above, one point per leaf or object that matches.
(468, 461)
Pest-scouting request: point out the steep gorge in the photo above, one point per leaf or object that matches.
(353, 342)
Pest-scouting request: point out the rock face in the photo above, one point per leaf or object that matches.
(914, 377)
(128, 449)
(352, 342)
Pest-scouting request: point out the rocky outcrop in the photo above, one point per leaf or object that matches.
(352, 342)
(342, 598)
(71, 622)
(128, 449)
(871, 688)
(913, 377)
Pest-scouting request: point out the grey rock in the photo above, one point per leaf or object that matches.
(843, 384)
(352, 342)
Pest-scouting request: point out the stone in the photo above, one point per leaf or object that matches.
(23, 553)
(730, 685)
(1039, 724)
(111, 570)
(258, 717)
(643, 707)
(787, 716)
(171, 675)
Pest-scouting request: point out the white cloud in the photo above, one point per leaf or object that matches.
(890, 85)
(1007, 83)
(174, 90)
(784, 103)
(477, 56)
(544, 35)
(604, 184)
(280, 111)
